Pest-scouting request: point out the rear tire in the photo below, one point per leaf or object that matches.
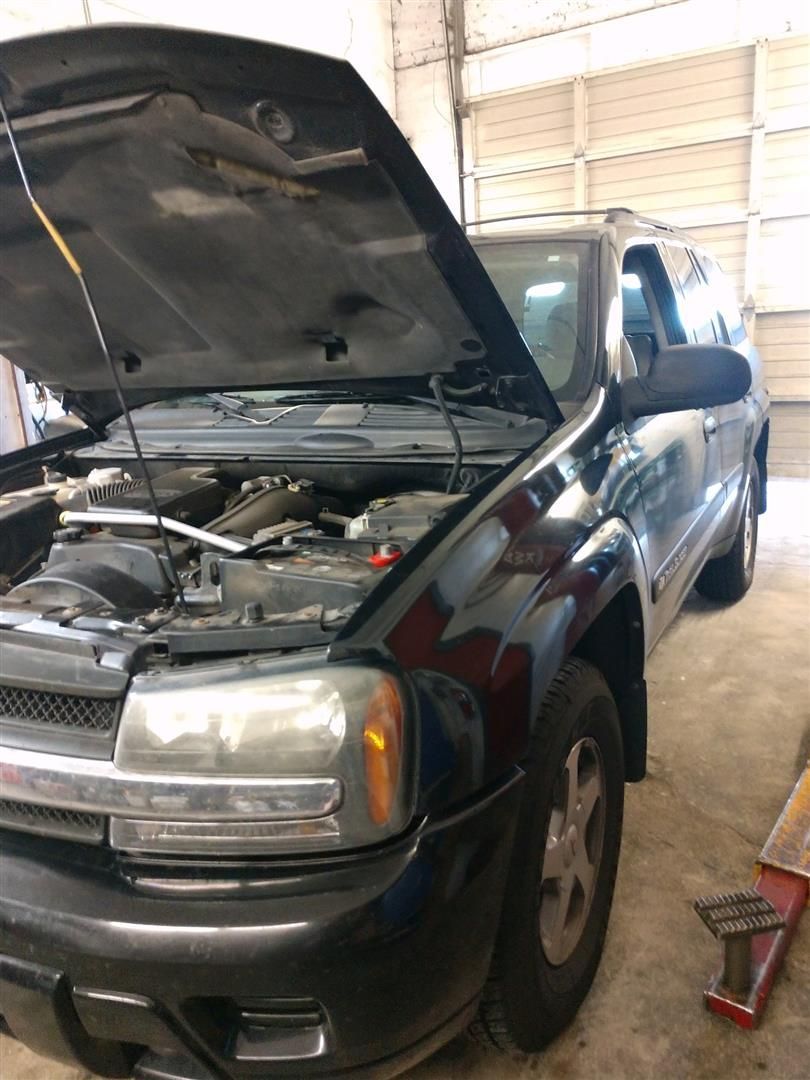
(729, 578)
(563, 868)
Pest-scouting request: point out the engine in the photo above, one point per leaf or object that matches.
(269, 561)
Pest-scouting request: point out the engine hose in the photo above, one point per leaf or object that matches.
(109, 517)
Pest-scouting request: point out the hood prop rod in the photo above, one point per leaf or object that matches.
(73, 263)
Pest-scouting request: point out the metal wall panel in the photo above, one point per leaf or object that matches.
(718, 143)
(727, 244)
(786, 186)
(783, 338)
(783, 279)
(526, 192)
(789, 444)
(786, 83)
(680, 101)
(536, 126)
(690, 185)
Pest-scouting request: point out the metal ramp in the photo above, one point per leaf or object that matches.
(756, 925)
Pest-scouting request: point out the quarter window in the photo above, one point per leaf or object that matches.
(723, 300)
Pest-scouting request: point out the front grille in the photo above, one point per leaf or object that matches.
(51, 821)
(59, 710)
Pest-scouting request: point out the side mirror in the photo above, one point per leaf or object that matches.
(687, 377)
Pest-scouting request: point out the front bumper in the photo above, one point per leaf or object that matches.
(362, 964)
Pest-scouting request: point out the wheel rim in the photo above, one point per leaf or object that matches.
(748, 528)
(574, 843)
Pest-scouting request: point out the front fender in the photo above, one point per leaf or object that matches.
(591, 577)
(481, 613)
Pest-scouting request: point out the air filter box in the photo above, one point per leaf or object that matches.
(193, 495)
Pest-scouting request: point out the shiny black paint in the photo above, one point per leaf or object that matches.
(394, 945)
(496, 597)
(201, 99)
(557, 553)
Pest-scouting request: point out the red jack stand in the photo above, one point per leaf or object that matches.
(757, 925)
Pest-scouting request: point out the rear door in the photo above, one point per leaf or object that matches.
(702, 323)
(739, 421)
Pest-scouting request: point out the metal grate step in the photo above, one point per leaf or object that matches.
(735, 914)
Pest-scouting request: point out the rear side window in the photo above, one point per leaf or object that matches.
(723, 300)
(695, 304)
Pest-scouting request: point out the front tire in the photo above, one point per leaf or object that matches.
(563, 868)
(729, 578)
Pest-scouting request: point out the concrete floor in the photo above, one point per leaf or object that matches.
(729, 734)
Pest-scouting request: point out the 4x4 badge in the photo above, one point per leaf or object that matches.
(669, 571)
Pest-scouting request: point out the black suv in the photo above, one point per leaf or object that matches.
(323, 640)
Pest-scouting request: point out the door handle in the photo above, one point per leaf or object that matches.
(709, 427)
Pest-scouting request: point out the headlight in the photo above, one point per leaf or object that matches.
(282, 727)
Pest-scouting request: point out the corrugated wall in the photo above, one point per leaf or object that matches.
(718, 143)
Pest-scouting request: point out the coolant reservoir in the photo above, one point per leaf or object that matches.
(106, 476)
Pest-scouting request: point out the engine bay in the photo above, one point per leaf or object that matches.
(262, 561)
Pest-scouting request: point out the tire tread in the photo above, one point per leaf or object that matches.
(724, 579)
(491, 1027)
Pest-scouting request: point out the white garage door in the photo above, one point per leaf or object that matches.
(718, 143)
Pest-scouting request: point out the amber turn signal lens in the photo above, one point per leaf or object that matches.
(382, 749)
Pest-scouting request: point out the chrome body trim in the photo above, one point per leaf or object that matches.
(99, 787)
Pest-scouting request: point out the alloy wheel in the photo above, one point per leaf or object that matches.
(574, 844)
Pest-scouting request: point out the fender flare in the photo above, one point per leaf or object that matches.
(555, 621)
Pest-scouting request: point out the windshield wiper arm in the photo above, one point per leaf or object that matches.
(240, 411)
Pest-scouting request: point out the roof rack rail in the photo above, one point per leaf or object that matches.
(622, 211)
(607, 214)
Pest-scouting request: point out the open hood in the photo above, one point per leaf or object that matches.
(246, 215)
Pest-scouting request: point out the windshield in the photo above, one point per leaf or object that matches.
(544, 284)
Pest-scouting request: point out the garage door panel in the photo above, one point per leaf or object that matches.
(659, 79)
(790, 419)
(786, 82)
(556, 132)
(796, 368)
(787, 389)
(783, 339)
(673, 139)
(522, 147)
(535, 126)
(697, 184)
(678, 99)
(539, 102)
(785, 187)
(786, 440)
(526, 193)
(665, 114)
(784, 326)
(784, 263)
(727, 244)
(549, 130)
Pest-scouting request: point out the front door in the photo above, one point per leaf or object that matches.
(676, 456)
